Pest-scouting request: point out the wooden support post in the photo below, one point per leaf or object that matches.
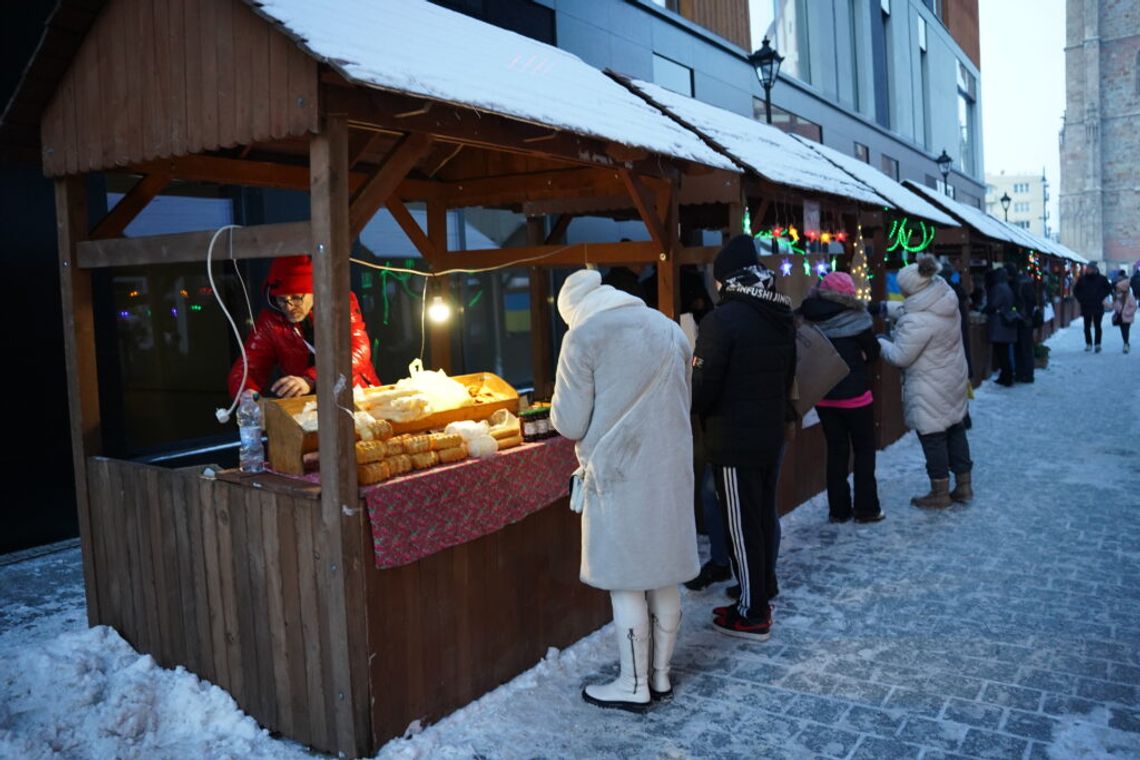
(384, 181)
(878, 267)
(439, 286)
(964, 269)
(82, 373)
(735, 221)
(540, 306)
(340, 540)
(668, 275)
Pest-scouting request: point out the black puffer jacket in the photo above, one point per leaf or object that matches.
(837, 317)
(743, 370)
(1091, 290)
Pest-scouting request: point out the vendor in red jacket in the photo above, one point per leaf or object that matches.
(282, 337)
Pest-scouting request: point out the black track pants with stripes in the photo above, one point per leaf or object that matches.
(747, 497)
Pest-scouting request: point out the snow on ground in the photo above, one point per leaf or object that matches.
(1006, 629)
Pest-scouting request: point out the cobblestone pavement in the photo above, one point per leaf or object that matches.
(1009, 628)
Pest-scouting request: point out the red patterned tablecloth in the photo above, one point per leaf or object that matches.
(425, 512)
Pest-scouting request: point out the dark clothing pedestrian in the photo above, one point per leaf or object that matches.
(743, 371)
(1027, 306)
(1091, 291)
(1001, 325)
(847, 410)
(1136, 284)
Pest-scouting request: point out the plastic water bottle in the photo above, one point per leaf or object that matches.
(251, 454)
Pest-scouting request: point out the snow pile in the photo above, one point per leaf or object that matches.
(89, 695)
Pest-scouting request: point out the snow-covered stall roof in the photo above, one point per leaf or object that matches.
(417, 48)
(994, 228)
(899, 196)
(758, 147)
(979, 220)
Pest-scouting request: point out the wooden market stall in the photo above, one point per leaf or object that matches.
(793, 182)
(983, 241)
(273, 588)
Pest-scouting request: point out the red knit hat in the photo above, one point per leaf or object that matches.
(290, 275)
(838, 282)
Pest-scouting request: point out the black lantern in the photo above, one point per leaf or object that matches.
(1005, 200)
(944, 162)
(766, 61)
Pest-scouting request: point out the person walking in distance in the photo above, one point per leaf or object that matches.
(743, 372)
(1123, 309)
(1090, 292)
(927, 346)
(1001, 324)
(622, 393)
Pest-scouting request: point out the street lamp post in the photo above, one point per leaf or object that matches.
(944, 162)
(766, 61)
(1005, 200)
(1044, 205)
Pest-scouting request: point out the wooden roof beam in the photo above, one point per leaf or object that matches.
(412, 229)
(644, 203)
(262, 241)
(129, 206)
(574, 255)
(375, 192)
(233, 171)
(376, 109)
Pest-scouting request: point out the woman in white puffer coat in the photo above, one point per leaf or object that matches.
(927, 346)
(622, 391)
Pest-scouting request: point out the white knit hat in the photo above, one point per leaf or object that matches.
(917, 276)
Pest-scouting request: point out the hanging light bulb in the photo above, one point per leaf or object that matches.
(439, 311)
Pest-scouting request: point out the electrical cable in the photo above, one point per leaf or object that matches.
(223, 415)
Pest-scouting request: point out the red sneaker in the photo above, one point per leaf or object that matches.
(732, 624)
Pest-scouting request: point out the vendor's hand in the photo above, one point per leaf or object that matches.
(290, 386)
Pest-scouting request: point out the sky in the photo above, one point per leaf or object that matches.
(1023, 88)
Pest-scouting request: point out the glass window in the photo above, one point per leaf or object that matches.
(862, 153)
(788, 121)
(672, 75)
(890, 167)
(967, 119)
(669, 5)
(921, 34)
(784, 23)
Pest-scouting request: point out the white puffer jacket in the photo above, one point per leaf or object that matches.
(928, 347)
(622, 391)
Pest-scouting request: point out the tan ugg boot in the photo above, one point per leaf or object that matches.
(963, 488)
(939, 496)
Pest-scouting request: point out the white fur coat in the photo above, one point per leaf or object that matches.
(622, 391)
(927, 346)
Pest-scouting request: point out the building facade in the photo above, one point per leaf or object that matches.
(891, 82)
(1028, 200)
(1100, 145)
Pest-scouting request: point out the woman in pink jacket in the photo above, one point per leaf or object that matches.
(1123, 309)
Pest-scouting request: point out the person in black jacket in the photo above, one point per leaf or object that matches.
(1001, 324)
(1090, 292)
(1135, 281)
(1025, 298)
(847, 412)
(743, 371)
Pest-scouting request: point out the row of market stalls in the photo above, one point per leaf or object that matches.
(333, 613)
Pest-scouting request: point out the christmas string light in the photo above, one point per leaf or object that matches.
(902, 236)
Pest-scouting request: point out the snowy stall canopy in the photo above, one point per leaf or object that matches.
(978, 220)
(417, 48)
(899, 197)
(762, 149)
(992, 227)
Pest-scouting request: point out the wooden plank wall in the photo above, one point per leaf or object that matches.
(449, 628)
(727, 18)
(222, 579)
(154, 80)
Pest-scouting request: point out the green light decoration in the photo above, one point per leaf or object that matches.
(746, 224)
(902, 236)
(807, 267)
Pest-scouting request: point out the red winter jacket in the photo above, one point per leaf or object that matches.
(275, 342)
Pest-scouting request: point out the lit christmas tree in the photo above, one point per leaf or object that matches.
(859, 271)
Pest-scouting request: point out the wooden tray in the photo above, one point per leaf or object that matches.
(288, 443)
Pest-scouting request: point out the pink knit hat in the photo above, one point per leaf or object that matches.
(838, 282)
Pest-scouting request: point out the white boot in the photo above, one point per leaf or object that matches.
(665, 619)
(631, 689)
(631, 625)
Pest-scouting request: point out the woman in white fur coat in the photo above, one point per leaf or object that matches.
(622, 391)
(927, 346)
